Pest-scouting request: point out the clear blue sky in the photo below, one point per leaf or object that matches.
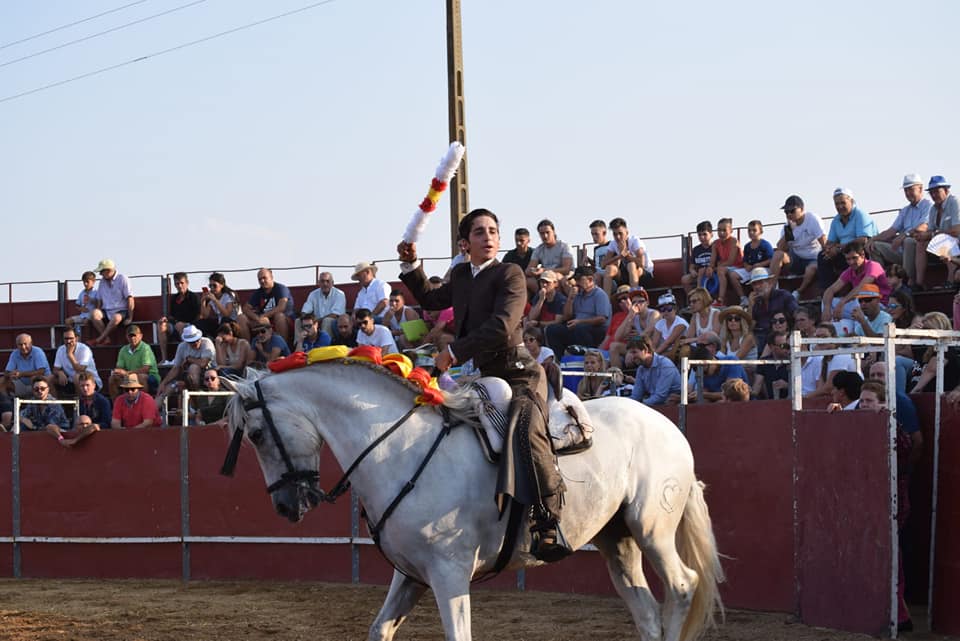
(312, 138)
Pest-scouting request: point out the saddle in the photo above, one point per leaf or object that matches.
(568, 422)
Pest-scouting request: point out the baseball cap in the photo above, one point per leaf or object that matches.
(792, 203)
(549, 275)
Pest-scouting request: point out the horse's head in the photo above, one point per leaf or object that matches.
(286, 443)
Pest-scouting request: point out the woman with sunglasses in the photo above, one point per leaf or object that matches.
(766, 303)
(704, 317)
(901, 309)
(669, 329)
(736, 334)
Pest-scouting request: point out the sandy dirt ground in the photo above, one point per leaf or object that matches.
(87, 610)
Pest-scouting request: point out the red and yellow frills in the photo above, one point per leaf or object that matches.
(398, 364)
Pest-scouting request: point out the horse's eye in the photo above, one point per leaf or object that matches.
(256, 437)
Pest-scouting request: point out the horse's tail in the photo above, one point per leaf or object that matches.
(698, 550)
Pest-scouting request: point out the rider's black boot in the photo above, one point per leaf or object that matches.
(548, 543)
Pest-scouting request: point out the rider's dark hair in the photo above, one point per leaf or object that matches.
(463, 230)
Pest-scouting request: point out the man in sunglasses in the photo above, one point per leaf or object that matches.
(49, 417)
(773, 380)
(869, 318)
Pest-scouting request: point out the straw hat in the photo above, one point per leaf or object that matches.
(131, 381)
(363, 266)
(735, 310)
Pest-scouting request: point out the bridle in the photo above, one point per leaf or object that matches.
(298, 478)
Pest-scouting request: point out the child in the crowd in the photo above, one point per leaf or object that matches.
(699, 258)
(897, 277)
(757, 253)
(725, 255)
(87, 301)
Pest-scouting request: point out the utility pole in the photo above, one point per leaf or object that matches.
(459, 187)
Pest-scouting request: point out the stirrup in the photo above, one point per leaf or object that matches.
(548, 543)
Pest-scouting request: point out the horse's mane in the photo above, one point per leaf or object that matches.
(460, 401)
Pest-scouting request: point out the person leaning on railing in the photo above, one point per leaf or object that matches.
(43, 416)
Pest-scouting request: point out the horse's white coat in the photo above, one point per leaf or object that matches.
(630, 492)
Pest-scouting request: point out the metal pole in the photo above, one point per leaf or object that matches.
(796, 373)
(15, 482)
(459, 187)
(684, 390)
(936, 481)
(890, 334)
(185, 487)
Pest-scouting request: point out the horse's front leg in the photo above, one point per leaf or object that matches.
(451, 587)
(403, 595)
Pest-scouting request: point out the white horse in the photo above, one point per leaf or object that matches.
(633, 492)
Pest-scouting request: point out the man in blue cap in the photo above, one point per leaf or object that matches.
(944, 219)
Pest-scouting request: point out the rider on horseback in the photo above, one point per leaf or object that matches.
(488, 298)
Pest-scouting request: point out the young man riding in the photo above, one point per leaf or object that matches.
(488, 298)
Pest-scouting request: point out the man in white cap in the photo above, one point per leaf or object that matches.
(374, 294)
(896, 244)
(194, 356)
(849, 224)
(944, 219)
(116, 301)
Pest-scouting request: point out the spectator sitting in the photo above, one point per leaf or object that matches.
(116, 301)
(234, 354)
(704, 317)
(184, 310)
(944, 219)
(136, 358)
(757, 253)
(134, 409)
(218, 304)
(736, 334)
(734, 390)
(93, 405)
(805, 321)
(699, 258)
(47, 417)
(87, 300)
(621, 306)
(441, 327)
(72, 359)
(374, 294)
(552, 254)
(372, 334)
(830, 363)
(273, 302)
(626, 260)
(668, 330)
(311, 335)
(851, 223)
(598, 234)
(640, 320)
(889, 247)
(594, 383)
(869, 319)
(326, 303)
(801, 241)
(906, 410)
(897, 277)
(657, 377)
(94, 414)
(25, 363)
(346, 332)
(398, 314)
(767, 301)
(195, 355)
(267, 346)
(773, 380)
(726, 256)
(714, 374)
(860, 272)
(548, 303)
(521, 253)
(846, 391)
(926, 382)
(904, 314)
(533, 339)
(210, 410)
(587, 313)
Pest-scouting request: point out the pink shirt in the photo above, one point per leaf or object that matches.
(869, 268)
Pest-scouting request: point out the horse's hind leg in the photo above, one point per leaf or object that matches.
(403, 595)
(679, 581)
(623, 557)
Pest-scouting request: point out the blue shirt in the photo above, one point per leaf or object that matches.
(655, 384)
(912, 216)
(859, 224)
(36, 360)
(907, 414)
(43, 415)
(554, 306)
(275, 341)
(753, 256)
(99, 409)
(262, 302)
(596, 303)
(322, 340)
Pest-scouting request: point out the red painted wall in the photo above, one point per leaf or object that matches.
(946, 614)
(844, 540)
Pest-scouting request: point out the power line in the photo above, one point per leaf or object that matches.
(72, 24)
(165, 51)
(102, 33)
